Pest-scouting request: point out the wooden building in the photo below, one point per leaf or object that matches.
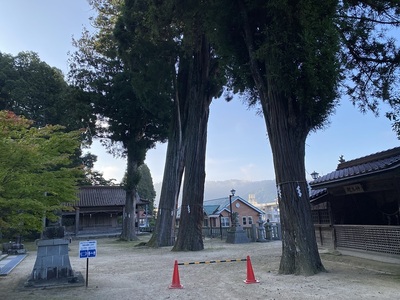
(357, 206)
(99, 210)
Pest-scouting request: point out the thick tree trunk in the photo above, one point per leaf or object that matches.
(287, 134)
(191, 217)
(129, 218)
(195, 136)
(288, 126)
(164, 234)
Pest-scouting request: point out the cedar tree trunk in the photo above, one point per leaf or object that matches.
(289, 109)
(195, 136)
(129, 218)
(164, 234)
(287, 136)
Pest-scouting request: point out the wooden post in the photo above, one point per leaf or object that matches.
(87, 271)
(220, 225)
(76, 221)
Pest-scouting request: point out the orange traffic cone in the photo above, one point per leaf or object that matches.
(250, 273)
(176, 284)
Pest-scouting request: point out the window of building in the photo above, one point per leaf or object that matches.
(225, 221)
(250, 220)
(244, 221)
(320, 216)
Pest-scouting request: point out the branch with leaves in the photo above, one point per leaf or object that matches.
(36, 173)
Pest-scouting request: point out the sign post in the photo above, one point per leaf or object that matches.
(87, 249)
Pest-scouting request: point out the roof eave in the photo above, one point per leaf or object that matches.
(214, 216)
(339, 181)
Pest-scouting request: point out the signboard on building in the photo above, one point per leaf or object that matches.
(353, 189)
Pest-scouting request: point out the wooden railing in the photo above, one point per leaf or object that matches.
(215, 232)
(383, 239)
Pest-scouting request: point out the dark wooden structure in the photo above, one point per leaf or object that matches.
(99, 210)
(357, 206)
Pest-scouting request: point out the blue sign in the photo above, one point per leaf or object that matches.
(87, 249)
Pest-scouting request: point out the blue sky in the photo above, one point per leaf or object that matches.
(237, 146)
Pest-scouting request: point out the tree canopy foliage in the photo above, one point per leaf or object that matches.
(296, 58)
(31, 88)
(292, 57)
(145, 187)
(36, 173)
(132, 117)
(128, 110)
(370, 55)
(188, 72)
(92, 176)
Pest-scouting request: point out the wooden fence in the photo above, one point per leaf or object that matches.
(272, 232)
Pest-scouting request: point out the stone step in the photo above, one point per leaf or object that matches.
(9, 263)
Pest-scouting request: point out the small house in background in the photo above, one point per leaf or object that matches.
(217, 215)
(357, 206)
(217, 212)
(99, 210)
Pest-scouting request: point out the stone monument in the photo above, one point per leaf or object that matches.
(268, 230)
(261, 230)
(52, 266)
(236, 234)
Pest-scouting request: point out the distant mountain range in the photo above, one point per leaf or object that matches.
(264, 190)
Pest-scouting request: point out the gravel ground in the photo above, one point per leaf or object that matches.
(125, 271)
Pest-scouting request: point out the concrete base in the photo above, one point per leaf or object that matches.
(52, 260)
(236, 235)
(75, 281)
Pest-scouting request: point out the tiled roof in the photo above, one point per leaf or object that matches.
(210, 209)
(314, 194)
(220, 204)
(90, 196)
(216, 206)
(371, 164)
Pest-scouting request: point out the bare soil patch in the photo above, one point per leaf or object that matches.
(123, 271)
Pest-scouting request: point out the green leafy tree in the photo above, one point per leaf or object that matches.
(198, 85)
(36, 176)
(292, 56)
(7, 75)
(167, 34)
(133, 116)
(31, 88)
(145, 186)
(370, 55)
(189, 67)
(91, 176)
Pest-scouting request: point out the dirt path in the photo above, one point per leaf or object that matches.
(122, 271)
